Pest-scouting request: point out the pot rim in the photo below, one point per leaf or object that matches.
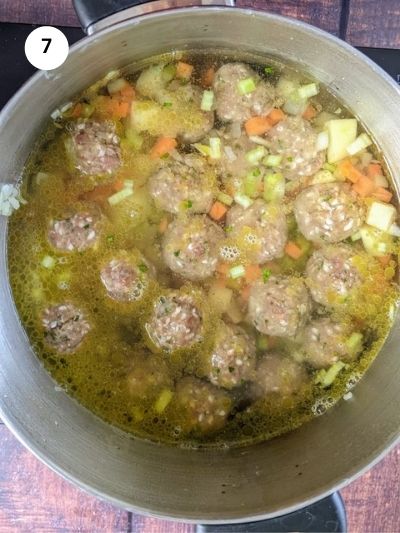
(38, 449)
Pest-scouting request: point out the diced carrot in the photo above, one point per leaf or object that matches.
(218, 210)
(382, 194)
(245, 293)
(128, 92)
(162, 146)
(257, 125)
(100, 193)
(207, 77)
(310, 112)
(275, 116)
(253, 272)
(162, 227)
(113, 107)
(364, 186)
(349, 171)
(77, 110)
(293, 250)
(385, 259)
(183, 70)
(222, 268)
(374, 169)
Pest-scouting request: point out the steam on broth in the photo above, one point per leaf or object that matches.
(208, 251)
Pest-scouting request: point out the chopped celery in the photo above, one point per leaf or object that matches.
(225, 198)
(120, 195)
(207, 101)
(323, 176)
(342, 132)
(329, 166)
(326, 377)
(243, 200)
(356, 236)
(237, 272)
(274, 187)
(255, 155)
(246, 86)
(376, 242)
(381, 215)
(87, 110)
(203, 149)
(266, 274)
(48, 261)
(215, 148)
(272, 160)
(128, 184)
(252, 183)
(354, 342)
(307, 91)
(362, 142)
(163, 400)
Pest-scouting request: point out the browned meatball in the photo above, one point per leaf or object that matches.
(324, 343)
(328, 212)
(231, 105)
(202, 407)
(75, 233)
(295, 140)
(233, 358)
(280, 307)
(331, 274)
(263, 226)
(95, 147)
(278, 374)
(185, 185)
(176, 322)
(191, 246)
(148, 376)
(65, 327)
(126, 276)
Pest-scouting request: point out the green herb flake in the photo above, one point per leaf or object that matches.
(266, 273)
(231, 369)
(176, 253)
(188, 204)
(167, 104)
(165, 156)
(289, 159)
(110, 239)
(143, 268)
(269, 70)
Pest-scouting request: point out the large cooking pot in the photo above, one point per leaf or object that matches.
(212, 485)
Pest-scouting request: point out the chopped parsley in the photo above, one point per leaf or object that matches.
(266, 273)
(269, 70)
(167, 104)
(143, 268)
(165, 156)
(289, 159)
(86, 226)
(188, 204)
(176, 253)
(110, 239)
(231, 369)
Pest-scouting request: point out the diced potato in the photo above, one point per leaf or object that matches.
(145, 116)
(234, 313)
(342, 132)
(381, 215)
(376, 242)
(151, 82)
(220, 298)
(323, 176)
(286, 86)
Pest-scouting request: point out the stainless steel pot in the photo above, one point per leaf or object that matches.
(207, 485)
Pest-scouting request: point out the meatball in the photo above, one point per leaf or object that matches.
(280, 307)
(231, 105)
(328, 212)
(183, 185)
(126, 276)
(95, 147)
(268, 227)
(331, 274)
(175, 322)
(65, 327)
(191, 247)
(148, 376)
(295, 140)
(75, 233)
(233, 357)
(278, 374)
(324, 343)
(201, 407)
(233, 165)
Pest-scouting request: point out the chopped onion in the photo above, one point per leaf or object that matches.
(65, 107)
(394, 230)
(272, 160)
(258, 140)
(48, 261)
(235, 130)
(307, 91)
(274, 187)
(115, 86)
(207, 101)
(246, 86)
(120, 195)
(237, 272)
(10, 199)
(362, 142)
(381, 181)
(243, 200)
(203, 149)
(322, 141)
(225, 198)
(215, 148)
(255, 155)
(55, 114)
(230, 154)
(295, 105)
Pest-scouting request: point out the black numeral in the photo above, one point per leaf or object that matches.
(48, 41)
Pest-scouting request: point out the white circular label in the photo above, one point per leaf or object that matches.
(46, 48)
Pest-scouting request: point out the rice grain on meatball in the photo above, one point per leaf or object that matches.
(191, 247)
(277, 374)
(280, 307)
(328, 212)
(75, 233)
(65, 327)
(331, 275)
(231, 105)
(202, 407)
(96, 147)
(176, 322)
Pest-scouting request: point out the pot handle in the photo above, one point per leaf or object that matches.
(95, 15)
